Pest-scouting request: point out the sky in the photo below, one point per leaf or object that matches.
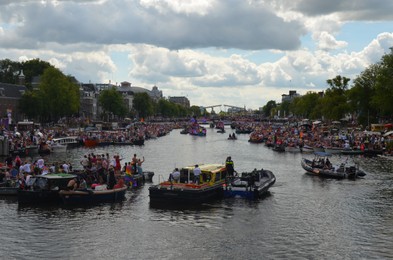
(215, 52)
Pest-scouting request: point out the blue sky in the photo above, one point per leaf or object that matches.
(236, 52)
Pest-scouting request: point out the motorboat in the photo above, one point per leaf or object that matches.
(321, 166)
(249, 185)
(187, 192)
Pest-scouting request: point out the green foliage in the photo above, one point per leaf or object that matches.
(9, 71)
(112, 101)
(32, 68)
(267, 109)
(31, 104)
(143, 104)
(59, 95)
(384, 87)
(306, 106)
(360, 95)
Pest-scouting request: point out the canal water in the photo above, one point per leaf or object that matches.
(304, 217)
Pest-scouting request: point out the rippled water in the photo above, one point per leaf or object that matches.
(304, 217)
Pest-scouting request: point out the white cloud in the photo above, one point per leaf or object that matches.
(326, 41)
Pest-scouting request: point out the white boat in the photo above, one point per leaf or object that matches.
(68, 141)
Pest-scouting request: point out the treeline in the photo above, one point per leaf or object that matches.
(58, 95)
(368, 100)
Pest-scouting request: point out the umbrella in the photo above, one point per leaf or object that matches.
(316, 122)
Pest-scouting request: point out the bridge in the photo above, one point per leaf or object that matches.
(229, 108)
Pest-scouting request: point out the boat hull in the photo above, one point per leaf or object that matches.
(176, 195)
(38, 196)
(348, 172)
(8, 191)
(89, 197)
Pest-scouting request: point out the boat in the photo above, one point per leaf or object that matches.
(44, 188)
(9, 188)
(68, 141)
(188, 193)
(321, 166)
(148, 176)
(92, 196)
(91, 142)
(134, 181)
(250, 185)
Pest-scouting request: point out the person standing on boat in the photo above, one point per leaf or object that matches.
(197, 173)
(229, 165)
(175, 176)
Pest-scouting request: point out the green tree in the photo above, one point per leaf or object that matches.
(143, 104)
(59, 95)
(195, 111)
(339, 84)
(384, 87)
(361, 94)
(112, 102)
(9, 71)
(31, 104)
(32, 68)
(267, 109)
(306, 106)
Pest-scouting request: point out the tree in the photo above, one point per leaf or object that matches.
(268, 108)
(384, 87)
(339, 84)
(59, 95)
(9, 71)
(111, 101)
(143, 104)
(306, 106)
(31, 104)
(32, 68)
(361, 94)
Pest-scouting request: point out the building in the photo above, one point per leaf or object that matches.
(290, 97)
(10, 95)
(156, 94)
(180, 100)
(89, 105)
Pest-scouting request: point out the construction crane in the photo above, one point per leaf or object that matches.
(212, 111)
(236, 109)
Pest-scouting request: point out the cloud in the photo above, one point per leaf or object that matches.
(223, 24)
(347, 10)
(326, 41)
